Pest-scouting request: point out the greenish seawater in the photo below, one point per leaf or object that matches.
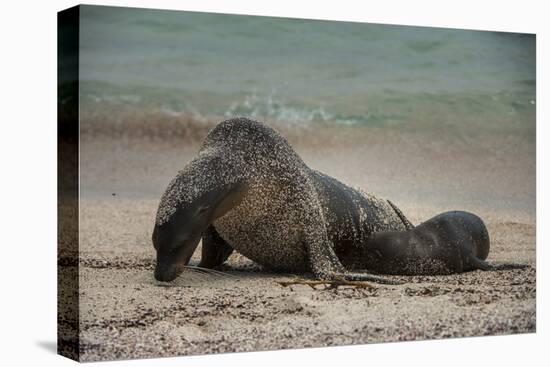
(303, 71)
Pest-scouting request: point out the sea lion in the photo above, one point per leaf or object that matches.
(247, 190)
(451, 242)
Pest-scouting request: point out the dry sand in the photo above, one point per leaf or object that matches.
(124, 313)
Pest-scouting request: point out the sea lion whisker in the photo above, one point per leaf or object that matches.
(216, 272)
(191, 273)
(203, 271)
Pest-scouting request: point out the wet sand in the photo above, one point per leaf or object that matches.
(124, 313)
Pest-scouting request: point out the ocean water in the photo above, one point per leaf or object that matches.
(303, 71)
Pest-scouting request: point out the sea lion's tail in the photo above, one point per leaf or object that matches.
(406, 222)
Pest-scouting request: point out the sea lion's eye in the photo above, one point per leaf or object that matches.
(203, 209)
(154, 239)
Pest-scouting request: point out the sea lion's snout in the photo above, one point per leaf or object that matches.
(172, 262)
(167, 268)
(164, 274)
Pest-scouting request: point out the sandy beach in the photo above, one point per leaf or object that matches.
(125, 313)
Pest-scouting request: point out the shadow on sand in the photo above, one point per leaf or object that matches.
(48, 345)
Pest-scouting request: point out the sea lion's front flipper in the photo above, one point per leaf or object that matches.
(214, 249)
(407, 223)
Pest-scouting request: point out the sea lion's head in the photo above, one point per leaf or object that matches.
(176, 239)
(201, 193)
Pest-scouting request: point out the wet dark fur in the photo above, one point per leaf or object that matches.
(451, 242)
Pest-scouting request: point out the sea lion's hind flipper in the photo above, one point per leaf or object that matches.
(406, 222)
(508, 266)
(214, 249)
(323, 261)
(325, 265)
(486, 266)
